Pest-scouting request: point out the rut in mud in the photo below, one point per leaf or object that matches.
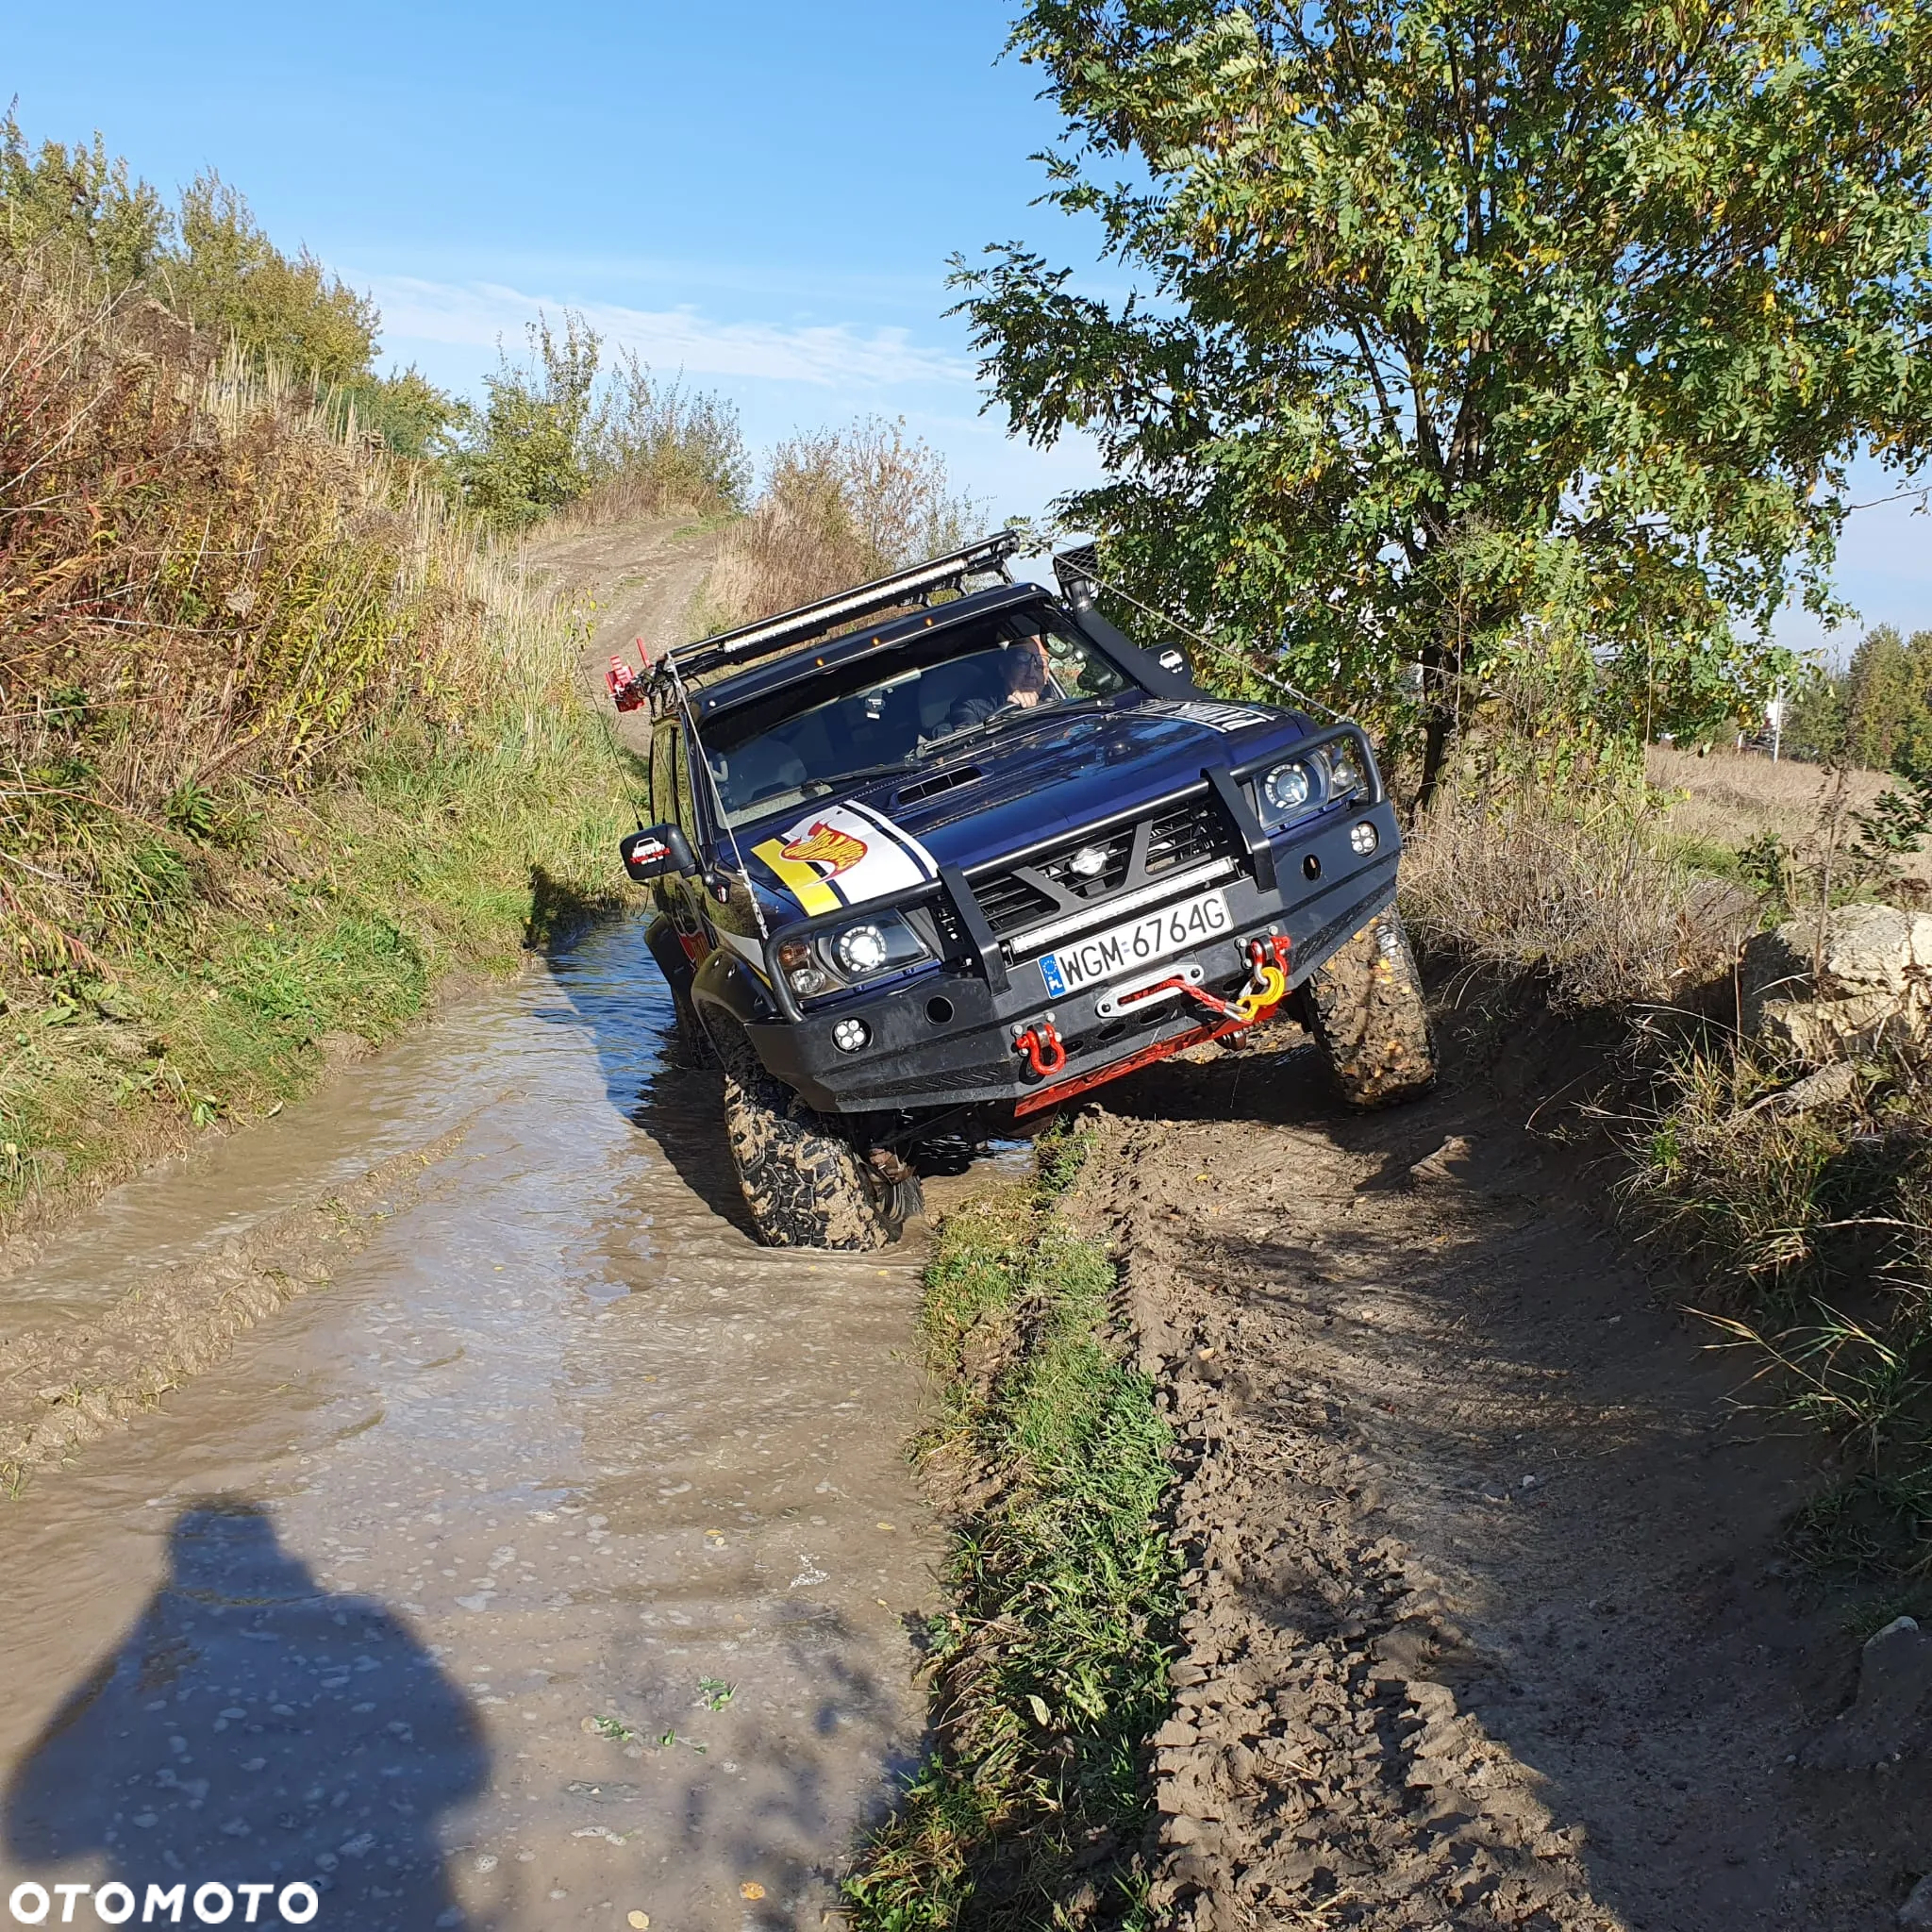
(1488, 1621)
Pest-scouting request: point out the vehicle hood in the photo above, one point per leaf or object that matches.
(1032, 781)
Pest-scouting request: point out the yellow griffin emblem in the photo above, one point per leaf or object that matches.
(826, 845)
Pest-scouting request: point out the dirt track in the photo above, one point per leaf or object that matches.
(1491, 1624)
(643, 581)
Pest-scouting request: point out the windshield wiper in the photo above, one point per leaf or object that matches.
(1001, 720)
(858, 776)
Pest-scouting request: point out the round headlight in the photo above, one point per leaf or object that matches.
(860, 949)
(1287, 787)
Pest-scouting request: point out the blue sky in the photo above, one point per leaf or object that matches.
(763, 195)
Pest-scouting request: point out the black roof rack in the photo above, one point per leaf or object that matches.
(916, 583)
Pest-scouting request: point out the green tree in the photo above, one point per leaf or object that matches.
(1632, 278)
(80, 199)
(410, 415)
(225, 274)
(1887, 699)
(526, 453)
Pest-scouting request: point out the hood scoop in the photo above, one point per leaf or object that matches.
(939, 781)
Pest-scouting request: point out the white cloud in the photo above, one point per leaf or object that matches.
(475, 314)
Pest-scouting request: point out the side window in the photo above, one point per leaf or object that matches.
(664, 763)
(686, 812)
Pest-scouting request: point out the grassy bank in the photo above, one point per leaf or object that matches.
(1805, 1214)
(284, 741)
(331, 926)
(1049, 1673)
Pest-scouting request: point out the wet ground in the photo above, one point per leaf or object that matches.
(556, 1563)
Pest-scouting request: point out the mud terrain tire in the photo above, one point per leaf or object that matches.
(806, 1185)
(690, 1046)
(1365, 1009)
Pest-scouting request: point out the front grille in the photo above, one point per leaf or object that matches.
(1185, 833)
(1127, 857)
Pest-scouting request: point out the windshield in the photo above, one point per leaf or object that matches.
(890, 715)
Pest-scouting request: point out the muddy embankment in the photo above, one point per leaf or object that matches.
(1489, 1622)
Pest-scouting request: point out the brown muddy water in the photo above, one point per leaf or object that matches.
(557, 1563)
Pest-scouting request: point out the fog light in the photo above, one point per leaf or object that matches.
(1364, 837)
(848, 1036)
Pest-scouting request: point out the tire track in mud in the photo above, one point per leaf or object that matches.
(69, 1377)
(1487, 1623)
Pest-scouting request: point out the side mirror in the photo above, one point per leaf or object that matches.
(1174, 660)
(649, 854)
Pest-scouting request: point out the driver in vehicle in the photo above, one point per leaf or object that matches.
(1019, 680)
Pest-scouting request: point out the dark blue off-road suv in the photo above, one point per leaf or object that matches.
(941, 854)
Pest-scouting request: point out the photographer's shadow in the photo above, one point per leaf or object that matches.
(254, 1729)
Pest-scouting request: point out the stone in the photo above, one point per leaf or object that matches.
(1873, 985)
(1825, 1087)
(1892, 1717)
(1917, 1909)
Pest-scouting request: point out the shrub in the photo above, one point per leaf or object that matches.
(207, 585)
(838, 507)
(552, 439)
(1525, 882)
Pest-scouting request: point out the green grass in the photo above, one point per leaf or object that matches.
(326, 915)
(1706, 857)
(1050, 1670)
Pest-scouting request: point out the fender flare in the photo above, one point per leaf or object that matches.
(725, 983)
(660, 937)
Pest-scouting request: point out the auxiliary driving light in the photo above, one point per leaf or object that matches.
(848, 1036)
(1363, 837)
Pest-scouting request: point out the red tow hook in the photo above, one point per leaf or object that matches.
(1276, 949)
(1046, 1052)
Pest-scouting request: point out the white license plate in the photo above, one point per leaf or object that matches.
(1120, 949)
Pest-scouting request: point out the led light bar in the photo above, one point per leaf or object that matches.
(813, 619)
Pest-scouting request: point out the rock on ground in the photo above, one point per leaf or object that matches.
(1863, 982)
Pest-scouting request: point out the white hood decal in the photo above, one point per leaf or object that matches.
(846, 854)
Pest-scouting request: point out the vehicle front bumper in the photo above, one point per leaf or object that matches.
(946, 1038)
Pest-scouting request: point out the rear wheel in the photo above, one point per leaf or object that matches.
(806, 1185)
(1365, 1009)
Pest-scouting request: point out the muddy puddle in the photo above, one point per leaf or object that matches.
(555, 1564)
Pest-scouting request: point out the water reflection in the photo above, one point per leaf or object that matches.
(254, 1727)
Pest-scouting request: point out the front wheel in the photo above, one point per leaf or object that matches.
(1365, 1009)
(806, 1185)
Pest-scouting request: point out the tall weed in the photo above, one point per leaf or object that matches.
(839, 507)
(1533, 878)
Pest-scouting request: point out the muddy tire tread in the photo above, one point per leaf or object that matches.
(1366, 1008)
(805, 1186)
